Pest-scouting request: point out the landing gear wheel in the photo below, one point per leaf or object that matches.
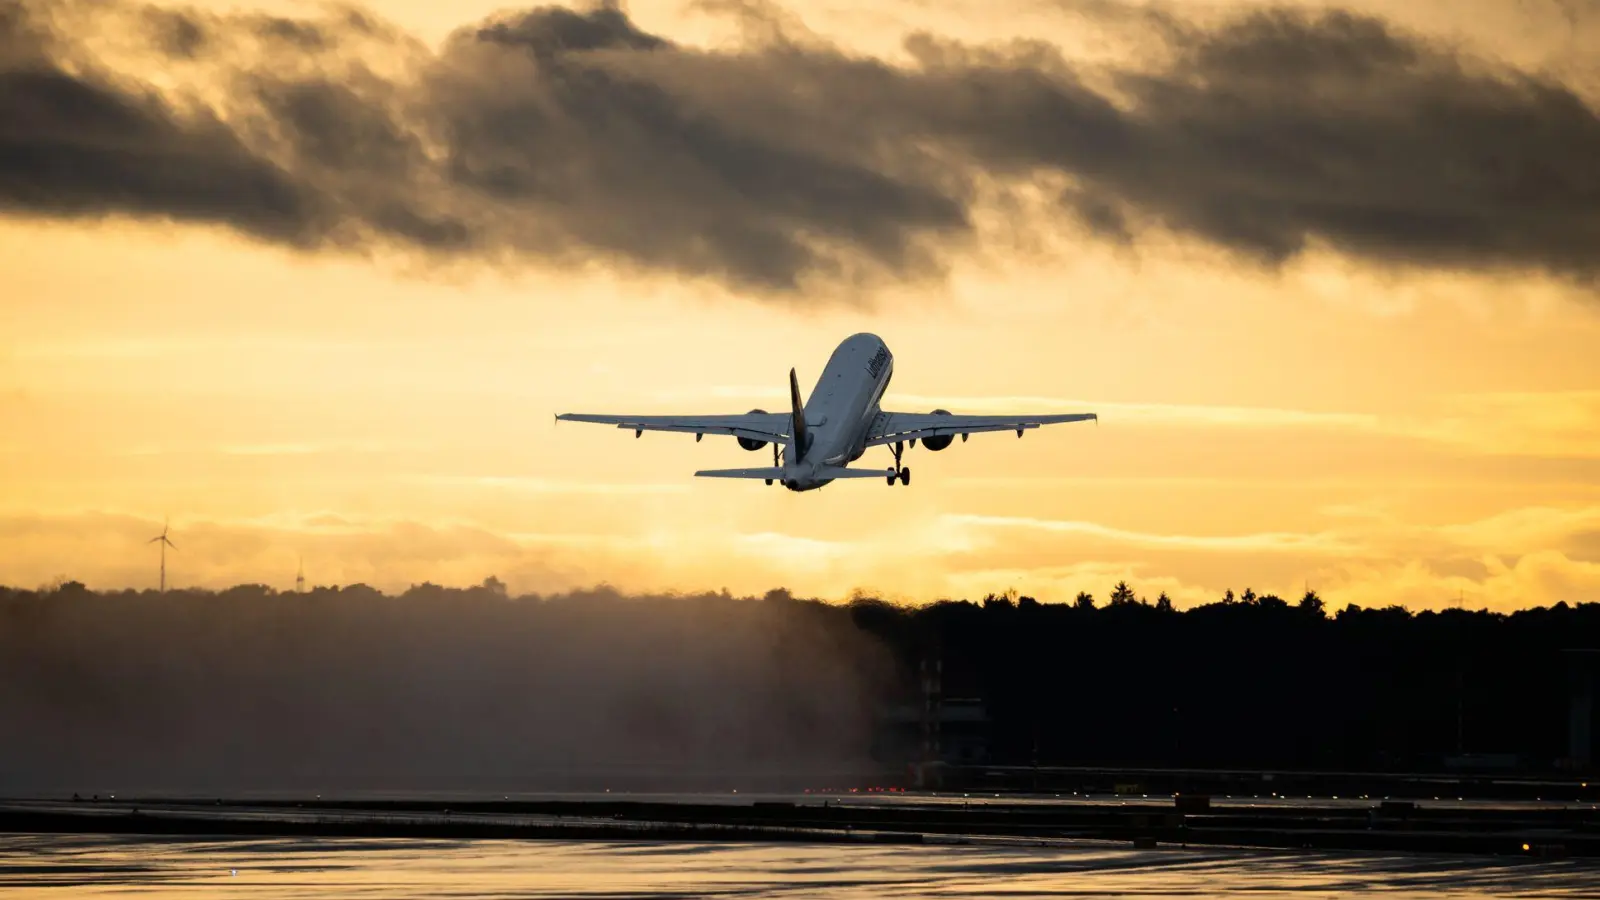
(899, 471)
(769, 482)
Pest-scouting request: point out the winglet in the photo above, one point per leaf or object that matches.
(799, 439)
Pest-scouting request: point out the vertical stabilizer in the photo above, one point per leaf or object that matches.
(798, 442)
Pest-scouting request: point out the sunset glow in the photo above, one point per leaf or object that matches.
(1383, 417)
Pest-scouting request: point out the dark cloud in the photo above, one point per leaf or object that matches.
(1282, 129)
(79, 146)
(567, 136)
(175, 33)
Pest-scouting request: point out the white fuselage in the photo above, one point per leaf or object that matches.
(840, 410)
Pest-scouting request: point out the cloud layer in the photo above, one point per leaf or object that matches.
(571, 137)
(1520, 557)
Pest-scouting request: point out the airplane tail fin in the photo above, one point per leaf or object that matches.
(798, 442)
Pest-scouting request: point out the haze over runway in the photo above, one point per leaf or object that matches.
(313, 283)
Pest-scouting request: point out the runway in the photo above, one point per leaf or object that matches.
(1505, 828)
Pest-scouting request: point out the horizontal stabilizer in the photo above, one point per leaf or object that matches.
(772, 472)
(826, 473)
(841, 472)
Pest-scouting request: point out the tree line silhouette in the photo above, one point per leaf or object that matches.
(1251, 680)
(339, 682)
(432, 688)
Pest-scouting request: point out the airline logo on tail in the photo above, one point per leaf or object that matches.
(875, 365)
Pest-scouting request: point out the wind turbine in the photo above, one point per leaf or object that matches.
(165, 543)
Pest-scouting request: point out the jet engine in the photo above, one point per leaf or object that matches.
(752, 443)
(938, 441)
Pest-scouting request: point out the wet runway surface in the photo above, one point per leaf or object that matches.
(95, 866)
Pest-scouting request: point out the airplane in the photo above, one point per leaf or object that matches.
(835, 425)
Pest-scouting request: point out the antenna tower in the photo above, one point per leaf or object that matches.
(300, 577)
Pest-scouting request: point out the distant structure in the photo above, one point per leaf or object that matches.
(933, 732)
(1581, 666)
(165, 542)
(932, 706)
(300, 577)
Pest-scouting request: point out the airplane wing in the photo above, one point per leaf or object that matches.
(770, 427)
(892, 427)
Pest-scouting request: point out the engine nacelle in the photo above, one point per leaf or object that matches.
(939, 441)
(752, 443)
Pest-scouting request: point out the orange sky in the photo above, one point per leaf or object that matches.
(1386, 435)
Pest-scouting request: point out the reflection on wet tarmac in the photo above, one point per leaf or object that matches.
(93, 866)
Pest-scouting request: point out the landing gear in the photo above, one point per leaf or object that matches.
(899, 471)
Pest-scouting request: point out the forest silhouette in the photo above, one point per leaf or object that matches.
(252, 686)
(1253, 680)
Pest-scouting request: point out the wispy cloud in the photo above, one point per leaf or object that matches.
(1270, 542)
(791, 548)
(1516, 557)
(534, 485)
(1150, 413)
(1551, 423)
(288, 448)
